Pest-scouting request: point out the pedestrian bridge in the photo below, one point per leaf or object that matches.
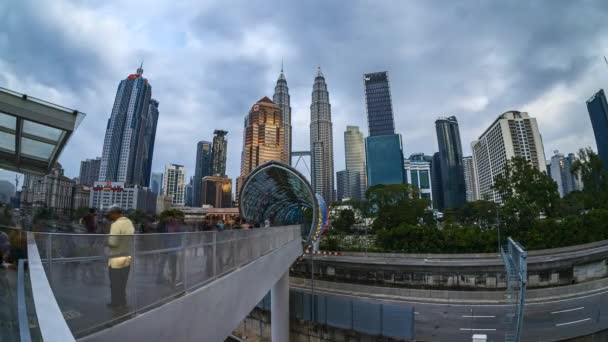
(184, 287)
(191, 286)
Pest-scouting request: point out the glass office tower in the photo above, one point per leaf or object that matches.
(379, 104)
(384, 159)
(598, 112)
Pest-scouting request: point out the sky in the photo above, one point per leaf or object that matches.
(209, 61)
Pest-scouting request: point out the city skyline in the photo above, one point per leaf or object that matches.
(552, 87)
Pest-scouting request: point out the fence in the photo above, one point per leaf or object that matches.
(515, 260)
(163, 267)
(368, 317)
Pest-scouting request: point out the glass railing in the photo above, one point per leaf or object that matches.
(157, 268)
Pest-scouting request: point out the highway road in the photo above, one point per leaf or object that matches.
(551, 320)
(534, 257)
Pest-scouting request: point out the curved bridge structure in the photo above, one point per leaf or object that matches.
(280, 194)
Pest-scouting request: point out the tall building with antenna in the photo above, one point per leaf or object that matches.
(282, 99)
(321, 140)
(131, 130)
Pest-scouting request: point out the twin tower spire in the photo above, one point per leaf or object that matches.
(321, 135)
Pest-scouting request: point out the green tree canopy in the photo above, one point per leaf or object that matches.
(526, 192)
(590, 168)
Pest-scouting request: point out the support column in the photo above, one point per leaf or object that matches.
(279, 310)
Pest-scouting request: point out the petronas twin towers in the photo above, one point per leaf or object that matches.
(321, 137)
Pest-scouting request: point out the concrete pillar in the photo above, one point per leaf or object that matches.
(279, 310)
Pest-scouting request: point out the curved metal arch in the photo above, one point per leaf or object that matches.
(277, 192)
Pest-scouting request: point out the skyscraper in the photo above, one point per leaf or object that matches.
(321, 140)
(156, 182)
(436, 182)
(281, 98)
(146, 150)
(598, 112)
(220, 147)
(383, 148)
(512, 134)
(263, 138)
(450, 157)
(379, 104)
(470, 181)
(188, 194)
(354, 153)
(201, 169)
(174, 184)
(418, 173)
(217, 191)
(89, 171)
(561, 172)
(348, 184)
(129, 141)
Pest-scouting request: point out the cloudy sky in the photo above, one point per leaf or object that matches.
(209, 61)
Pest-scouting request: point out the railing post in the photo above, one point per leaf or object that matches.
(214, 248)
(133, 271)
(185, 261)
(49, 257)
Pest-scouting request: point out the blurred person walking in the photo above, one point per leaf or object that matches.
(120, 265)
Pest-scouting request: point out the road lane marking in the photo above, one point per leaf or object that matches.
(575, 309)
(579, 321)
(477, 329)
(416, 313)
(471, 316)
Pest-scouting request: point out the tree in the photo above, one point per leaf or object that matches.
(526, 193)
(595, 179)
(382, 195)
(344, 221)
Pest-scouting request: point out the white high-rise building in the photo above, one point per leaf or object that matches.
(418, 173)
(512, 134)
(321, 140)
(174, 184)
(470, 180)
(354, 153)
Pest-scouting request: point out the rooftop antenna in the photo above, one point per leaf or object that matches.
(605, 60)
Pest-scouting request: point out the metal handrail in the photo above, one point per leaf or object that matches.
(24, 326)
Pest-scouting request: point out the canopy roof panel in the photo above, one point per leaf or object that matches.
(33, 132)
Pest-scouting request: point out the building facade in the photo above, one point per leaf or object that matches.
(383, 148)
(174, 184)
(450, 157)
(321, 140)
(384, 160)
(281, 98)
(598, 113)
(418, 174)
(217, 191)
(52, 191)
(156, 182)
(354, 154)
(89, 171)
(263, 139)
(560, 170)
(219, 152)
(512, 134)
(81, 195)
(379, 104)
(349, 186)
(436, 182)
(470, 181)
(129, 140)
(203, 168)
(103, 195)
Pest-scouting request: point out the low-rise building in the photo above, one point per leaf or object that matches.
(217, 191)
(105, 194)
(52, 191)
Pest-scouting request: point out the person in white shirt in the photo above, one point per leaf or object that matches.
(119, 265)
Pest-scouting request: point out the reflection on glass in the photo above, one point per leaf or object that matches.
(36, 149)
(8, 121)
(42, 131)
(7, 141)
